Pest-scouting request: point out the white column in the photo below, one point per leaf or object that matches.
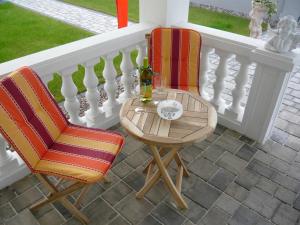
(267, 90)
(69, 91)
(235, 111)
(127, 69)
(12, 167)
(164, 12)
(94, 115)
(142, 52)
(205, 50)
(221, 73)
(111, 105)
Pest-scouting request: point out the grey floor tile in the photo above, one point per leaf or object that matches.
(116, 193)
(95, 190)
(262, 203)
(203, 168)
(168, 215)
(267, 185)
(119, 221)
(246, 152)
(189, 153)
(232, 163)
(26, 199)
(216, 216)
(222, 179)
(99, 212)
(25, 184)
(237, 192)
(6, 194)
(285, 195)
(138, 158)
(150, 220)
(213, 152)
(122, 169)
(244, 216)
(51, 218)
(6, 212)
(135, 180)
(203, 194)
(133, 209)
(25, 218)
(230, 143)
(285, 215)
(227, 203)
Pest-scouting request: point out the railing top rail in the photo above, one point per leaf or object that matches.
(55, 59)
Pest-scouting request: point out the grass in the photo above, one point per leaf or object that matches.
(197, 15)
(24, 32)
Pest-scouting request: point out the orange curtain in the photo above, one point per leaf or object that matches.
(122, 13)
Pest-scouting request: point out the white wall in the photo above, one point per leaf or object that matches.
(286, 7)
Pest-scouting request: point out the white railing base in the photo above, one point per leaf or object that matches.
(13, 171)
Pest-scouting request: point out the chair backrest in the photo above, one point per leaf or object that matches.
(175, 54)
(30, 119)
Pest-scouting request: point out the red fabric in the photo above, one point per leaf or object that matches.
(122, 13)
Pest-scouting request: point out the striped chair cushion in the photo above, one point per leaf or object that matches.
(175, 54)
(34, 125)
(82, 153)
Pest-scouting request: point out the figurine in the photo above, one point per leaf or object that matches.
(285, 38)
(257, 14)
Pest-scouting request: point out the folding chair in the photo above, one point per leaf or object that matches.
(174, 53)
(36, 128)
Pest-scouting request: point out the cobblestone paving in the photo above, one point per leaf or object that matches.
(233, 181)
(90, 20)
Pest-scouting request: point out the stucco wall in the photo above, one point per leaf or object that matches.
(243, 7)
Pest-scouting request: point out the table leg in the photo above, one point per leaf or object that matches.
(181, 163)
(162, 165)
(155, 177)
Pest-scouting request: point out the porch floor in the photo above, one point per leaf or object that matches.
(233, 181)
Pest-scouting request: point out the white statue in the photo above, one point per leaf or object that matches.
(285, 38)
(257, 15)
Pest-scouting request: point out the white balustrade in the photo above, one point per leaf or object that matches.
(142, 52)
(126, 79)
(205, 50)
(235, 111)
(69, 91)
(94, 115)
(221, 73)
(111, 104)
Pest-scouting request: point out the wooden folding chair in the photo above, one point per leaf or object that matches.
(36, 128)
(174, 53)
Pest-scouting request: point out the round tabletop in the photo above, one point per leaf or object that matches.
(141, 120)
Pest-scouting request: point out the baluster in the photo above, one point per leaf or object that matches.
(94, 115)
(69, 91)
(234, 111)
(111, 104)
(203, 70)
(218, 86)
(142, 51)
(126, 79)
(46, 78)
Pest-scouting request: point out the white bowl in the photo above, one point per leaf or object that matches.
(170, 109)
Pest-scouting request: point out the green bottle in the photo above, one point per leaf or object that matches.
(146, 82)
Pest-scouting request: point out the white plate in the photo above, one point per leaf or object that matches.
(170, 109)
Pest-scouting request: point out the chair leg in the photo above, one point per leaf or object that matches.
(56, 195)
(82, 194)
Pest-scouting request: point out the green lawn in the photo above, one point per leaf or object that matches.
(201, 16)
(24, 32)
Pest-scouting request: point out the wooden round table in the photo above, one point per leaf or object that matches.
(164, 137)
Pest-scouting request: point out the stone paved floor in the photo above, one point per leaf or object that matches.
(233, 181)
(90, 20)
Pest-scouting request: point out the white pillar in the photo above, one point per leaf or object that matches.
(69, 91)
(94, 115)
(111, 105)
(164, 12)
(127, 69)
(267, 90)
(203, 70)
(12, 167)
(142, 52)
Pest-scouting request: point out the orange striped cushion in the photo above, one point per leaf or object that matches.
(175, 54)
(34, 125)
(81, 153)
(29, 118)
